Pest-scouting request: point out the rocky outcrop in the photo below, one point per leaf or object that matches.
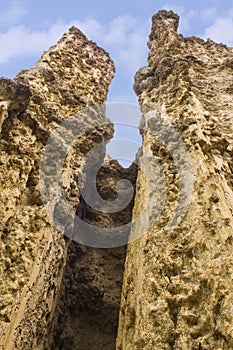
(63, 219)
(70, 80)
(178, 282)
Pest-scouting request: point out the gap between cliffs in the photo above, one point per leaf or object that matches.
(88, 309)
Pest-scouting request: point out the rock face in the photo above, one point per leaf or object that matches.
(178, 281)
(72, 76)
(59, 288)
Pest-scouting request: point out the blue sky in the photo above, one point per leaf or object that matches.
(29, 27)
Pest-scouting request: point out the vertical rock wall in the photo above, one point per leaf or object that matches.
(178, 283)
(72, 76)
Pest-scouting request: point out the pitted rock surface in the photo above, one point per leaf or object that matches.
(70, 77)
(178, 282)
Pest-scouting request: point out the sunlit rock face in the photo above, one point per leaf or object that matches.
(61, 288)
(71, 80)
(178, 281)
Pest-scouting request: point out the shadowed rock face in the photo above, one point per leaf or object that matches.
(177, 291)
(90, 294)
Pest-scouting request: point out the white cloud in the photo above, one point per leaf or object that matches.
(221, 30)
(118, 30)
(186, 21)
(209, 14)
(124, 37)
(13, 15)
(90, 27)
(21, 41)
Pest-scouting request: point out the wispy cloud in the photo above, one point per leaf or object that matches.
(217, 27)
(13, 15)
(221, 30)
(125, 38)
(208, 14)
(22, 41)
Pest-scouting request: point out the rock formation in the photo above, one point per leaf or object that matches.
(60, 289)
(178, 281)
(70, 82)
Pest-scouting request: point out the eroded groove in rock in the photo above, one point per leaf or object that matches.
(89, 304)
(72, 76)
(178, 285)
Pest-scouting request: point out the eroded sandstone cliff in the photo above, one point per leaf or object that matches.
(178, 281)
(57, 293)
(72, 77)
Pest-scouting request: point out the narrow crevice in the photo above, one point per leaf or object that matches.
(89, 302)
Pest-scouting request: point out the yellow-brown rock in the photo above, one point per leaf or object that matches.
(178, 282)
(73, 75)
